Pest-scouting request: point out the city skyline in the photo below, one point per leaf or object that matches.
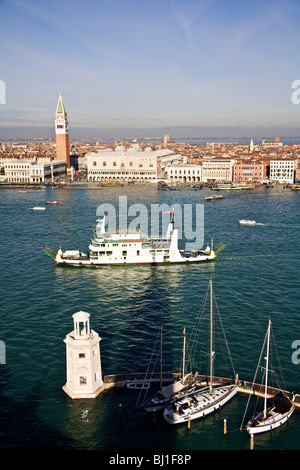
(127, 66)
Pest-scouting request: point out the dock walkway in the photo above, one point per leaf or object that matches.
(246, 387)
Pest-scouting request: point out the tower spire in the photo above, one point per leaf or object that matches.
(60, 109)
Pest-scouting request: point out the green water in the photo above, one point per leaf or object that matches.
(255, 277)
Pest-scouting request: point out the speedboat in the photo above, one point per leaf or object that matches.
(213, 198)
(53, 202)
(247, 222)
(138, 385)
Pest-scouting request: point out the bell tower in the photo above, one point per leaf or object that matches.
(62, 133)
(84, 374)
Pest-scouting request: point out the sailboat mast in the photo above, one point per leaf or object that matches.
(211, 337)
(183, 358)
(161, 355)
(267, 369)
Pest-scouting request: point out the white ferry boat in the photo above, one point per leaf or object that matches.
(126, 247)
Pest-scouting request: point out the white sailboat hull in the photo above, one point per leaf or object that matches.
(199, 404)
(273, 416)
(168, 393)
(273, 421)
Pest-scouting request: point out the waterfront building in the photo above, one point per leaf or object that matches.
(218, 170)
(283, 170)
(128, 166)
(30, 171)
(62, 133)
(272, 143)
(297, 174)
(250, 171)
(84, 372)
(184, 173)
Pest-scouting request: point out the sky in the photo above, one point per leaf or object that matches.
(149, 64)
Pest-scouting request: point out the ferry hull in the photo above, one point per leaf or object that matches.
(88, 262)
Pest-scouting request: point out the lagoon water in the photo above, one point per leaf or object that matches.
(256, 276)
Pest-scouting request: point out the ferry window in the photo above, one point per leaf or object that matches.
(104, 163)
(114, 164)
(95, 163)
(83, 380)
(124, 253)
(81, 354)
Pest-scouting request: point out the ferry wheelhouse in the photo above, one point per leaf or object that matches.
(128, 247)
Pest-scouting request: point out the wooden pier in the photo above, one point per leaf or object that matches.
(245, 387)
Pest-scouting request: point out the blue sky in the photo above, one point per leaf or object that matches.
(130, 63)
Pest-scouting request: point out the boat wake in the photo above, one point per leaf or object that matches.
(280, 225)
(276, 225)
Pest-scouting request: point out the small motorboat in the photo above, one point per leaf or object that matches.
(247, 222)
(138, 385)
(53, 202)
(38, 208)
(213, 198)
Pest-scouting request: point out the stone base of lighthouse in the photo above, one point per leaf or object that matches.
(73, 394)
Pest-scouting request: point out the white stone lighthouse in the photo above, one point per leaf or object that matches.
(84, 374)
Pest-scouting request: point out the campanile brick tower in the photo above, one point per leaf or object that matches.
(62, 133)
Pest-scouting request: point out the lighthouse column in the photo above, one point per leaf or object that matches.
(84, 374)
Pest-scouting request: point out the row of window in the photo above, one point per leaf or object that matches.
(185, 172)
(123, 164)
(245, 173)
(115, 172)
(18, 167)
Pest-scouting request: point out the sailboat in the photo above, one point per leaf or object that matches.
(277, 409)
(199, 403)
(159, 400)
